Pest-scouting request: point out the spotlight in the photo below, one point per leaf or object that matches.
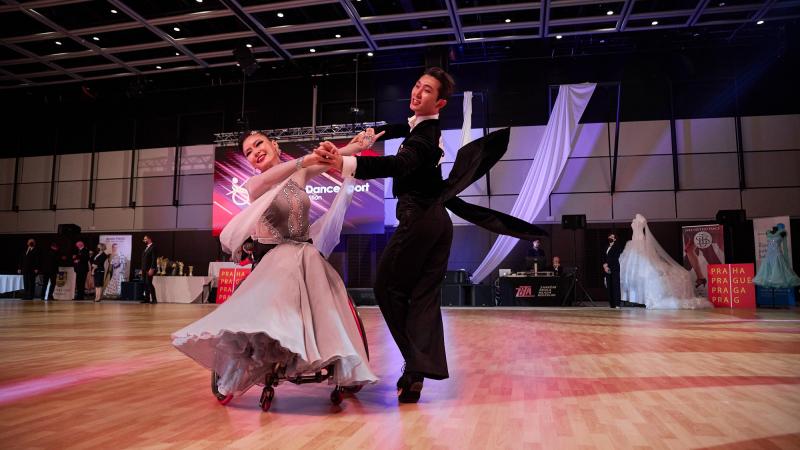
(280, 15)
(609, 13)
(370, 54)
(654, 23)
(249, 45)
(58, 42)
(113, 11)
(508, 20)
(95, 38)
(176, 28)
(558, 36)
(312, 50)
(760, 22)
(158, 67)
(338, 36)
(177, 54)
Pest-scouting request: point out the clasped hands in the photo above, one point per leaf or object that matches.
(328, 154)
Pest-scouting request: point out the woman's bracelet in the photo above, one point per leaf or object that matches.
(299, 163)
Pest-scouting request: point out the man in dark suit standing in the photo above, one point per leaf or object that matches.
(536, 259)
(80, 261)
(611, 269)
(51, 261)
(29, 266)
(149, 270)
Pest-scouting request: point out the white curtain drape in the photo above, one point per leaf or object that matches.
(548, 163)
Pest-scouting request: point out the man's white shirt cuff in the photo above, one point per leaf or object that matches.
(349, 164)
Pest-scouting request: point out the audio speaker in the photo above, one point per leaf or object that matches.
(246, 60)
(573, 221)
(68, 229)
(482, 295)
(731, 216)
(456, 277)
(454, 295)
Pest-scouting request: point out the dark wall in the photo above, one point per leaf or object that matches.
(188, 108)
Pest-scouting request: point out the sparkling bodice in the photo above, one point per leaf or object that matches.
(286, 218)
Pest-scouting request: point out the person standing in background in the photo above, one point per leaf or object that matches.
(149, 270)
(557, 269)
(29, 266)
(611, 269)
(536, 259)
(51, 260)
(99, 263)
(80, 261)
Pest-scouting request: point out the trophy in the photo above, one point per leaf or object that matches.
(180, 268)
(173, 268)
(191, 268)
(160, 265)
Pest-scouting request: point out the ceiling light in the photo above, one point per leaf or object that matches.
(508, 20)
(177, 54)
(249, 45)
(338, 36)
(176, 28)
(558, 36)
(602, 41)
(95, 38)
(199, 1)
(312, 50)
(760, 22)
(113, 11)
(654, 23)
(58, 42)
(721, 3)
(237, 64)
(424, 27)
(609, 13)
(158, 67)
(370, 54)
(280, 15)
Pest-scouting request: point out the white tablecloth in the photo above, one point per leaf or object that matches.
(177, 289)
(214, 266)
(11, 283)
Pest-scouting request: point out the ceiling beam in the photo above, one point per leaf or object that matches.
(38, 4)
(256, 27)
(625, 15)
(157, 31)
(544, 16)
(698, 11)
(352, 12)
(37, 58)
(99, 51)
(455, 19)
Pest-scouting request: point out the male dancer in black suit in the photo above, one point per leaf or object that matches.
(611, 268)
(149, 270)
(412, 267)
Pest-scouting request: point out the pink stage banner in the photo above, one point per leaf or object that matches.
(731, 285)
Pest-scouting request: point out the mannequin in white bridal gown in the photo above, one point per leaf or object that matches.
(648, 275)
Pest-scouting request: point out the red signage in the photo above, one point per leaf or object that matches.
(228, 281)
(524, 291)
(731, 285)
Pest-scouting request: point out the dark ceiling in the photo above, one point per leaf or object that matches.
(52, 42)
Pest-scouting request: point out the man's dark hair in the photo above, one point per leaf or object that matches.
(445, 80)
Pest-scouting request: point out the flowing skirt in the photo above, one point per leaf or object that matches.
(293, 309)
(649, 279)
(776, 271)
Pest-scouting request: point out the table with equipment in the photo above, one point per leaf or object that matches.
(529, 289)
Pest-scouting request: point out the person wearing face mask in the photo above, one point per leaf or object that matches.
(412, 267)
(149, 257)
(611, 269)
(99, 269)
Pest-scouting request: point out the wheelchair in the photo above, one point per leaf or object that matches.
(278, 375)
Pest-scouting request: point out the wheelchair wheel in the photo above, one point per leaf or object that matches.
(265, 402)
(221, 398)
(336, 396)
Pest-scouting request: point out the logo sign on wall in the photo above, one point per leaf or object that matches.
(702, 245)
(229, 280)
(731, 285)
(760, 228)
(232, 170)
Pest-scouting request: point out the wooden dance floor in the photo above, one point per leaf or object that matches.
(85, 375)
